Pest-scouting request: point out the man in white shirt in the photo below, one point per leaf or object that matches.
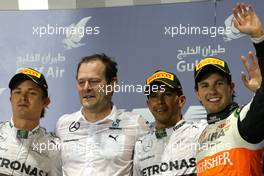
(98, 139)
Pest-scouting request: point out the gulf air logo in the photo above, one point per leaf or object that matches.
(76, 32)
(232, 32)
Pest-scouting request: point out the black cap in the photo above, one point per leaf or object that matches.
(212, 63)
(31, 74)
(166, 78)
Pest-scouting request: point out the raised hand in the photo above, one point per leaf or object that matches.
(246, 20)
(254, 74)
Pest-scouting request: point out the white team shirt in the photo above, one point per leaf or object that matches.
(101, 148)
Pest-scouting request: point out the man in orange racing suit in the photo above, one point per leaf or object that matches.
(232, 143)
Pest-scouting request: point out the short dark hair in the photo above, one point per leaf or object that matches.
(110, 65)
(44, 92)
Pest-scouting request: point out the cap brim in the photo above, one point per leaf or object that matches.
(158, 82)
(163, 82)
(21, 76)
(210, 67)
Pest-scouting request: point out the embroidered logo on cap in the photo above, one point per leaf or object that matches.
(31, 72)
(212, 61)
(160, 74)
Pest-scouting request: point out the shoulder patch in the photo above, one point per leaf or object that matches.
(3, 123)
(237, 111)
(52, 134)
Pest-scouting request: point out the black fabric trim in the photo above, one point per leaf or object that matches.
(251, 127)
(215, 117)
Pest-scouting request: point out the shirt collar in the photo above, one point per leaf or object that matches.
(16, 131)
(111, 117)
(215, 117)
(164, 132)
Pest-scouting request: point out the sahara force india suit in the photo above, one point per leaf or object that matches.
(102, 148)
(232, 143)
(36, 155)
(169, 155)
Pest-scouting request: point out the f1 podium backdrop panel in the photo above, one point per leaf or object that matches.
(142, 39)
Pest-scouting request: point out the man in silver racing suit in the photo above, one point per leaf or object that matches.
(26, 149)
(169, 149)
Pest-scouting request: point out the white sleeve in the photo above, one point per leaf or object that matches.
(57, 129)
(57, 167)
(136, 168)
(257, 40)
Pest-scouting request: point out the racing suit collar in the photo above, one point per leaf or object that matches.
(215, 117)
(164, 132)
(28, 134)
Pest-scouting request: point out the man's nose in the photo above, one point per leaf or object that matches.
(161, 98)
(24, 95)
(212, 90)
(87, 85)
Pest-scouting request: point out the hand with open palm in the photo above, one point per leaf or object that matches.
(246, 20)
(254, 79)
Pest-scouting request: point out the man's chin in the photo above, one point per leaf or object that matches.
(24, 115)
(22, 111)
(88, 105)
(214, 110)
(88, 100)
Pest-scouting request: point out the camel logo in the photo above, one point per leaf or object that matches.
(2, 90)
(233, 32)
(76, 32)
(115, 125)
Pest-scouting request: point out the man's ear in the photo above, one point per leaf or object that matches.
(197, 95)
(232, 87)
(10, 95)
(113, 85)
(182, 100)
(147, 102)
(46, 102)
(114, 82)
